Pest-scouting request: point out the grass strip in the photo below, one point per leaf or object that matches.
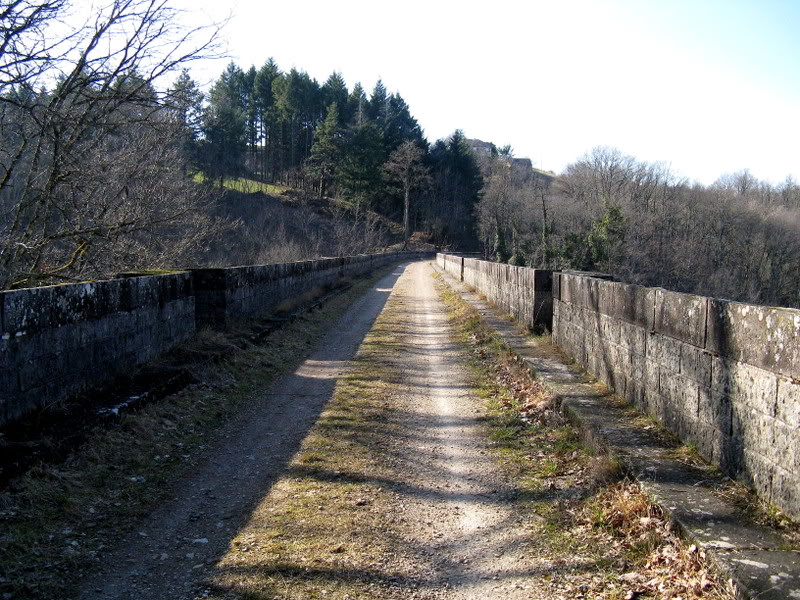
(330, 527)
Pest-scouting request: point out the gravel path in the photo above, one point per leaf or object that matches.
(452, 488)
(448, 483)
(173, 551)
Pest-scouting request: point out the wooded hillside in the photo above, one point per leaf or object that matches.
(738, 238)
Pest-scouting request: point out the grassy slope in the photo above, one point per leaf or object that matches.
(245, 185)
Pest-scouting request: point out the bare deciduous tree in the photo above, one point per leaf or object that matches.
(405, 168)
(89, 150)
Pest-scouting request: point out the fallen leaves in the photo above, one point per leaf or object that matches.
(636, 533)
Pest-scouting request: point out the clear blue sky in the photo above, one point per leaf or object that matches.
(709, 86)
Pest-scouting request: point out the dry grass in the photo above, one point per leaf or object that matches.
(603, 536)
(57, 520)
(760, 511)
(330, 527)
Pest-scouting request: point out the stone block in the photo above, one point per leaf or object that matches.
(696, 364)
(707, 439)
(609, 329)
(785, 444)
(631, 303)
(681, 316)
(683, 394)
(787, 408)
(556, 285)
(632, 336)
(757, 471)
(768, 338)
(785, 490)
(666, 351)
(652, 376)
(675, 417)
(754, 430)
(745, 384)
(714, 409)
(572, 288)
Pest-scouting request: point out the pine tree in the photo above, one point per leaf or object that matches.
(456, 184)
(224, 126)
(326, 151)
(400, 125)
(378, 107)
(250, 111)
(360, 173)
(334, 90)
(266, 113)
(186, 102)
(357, 106)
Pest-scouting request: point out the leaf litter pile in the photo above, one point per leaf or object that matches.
(600, 534)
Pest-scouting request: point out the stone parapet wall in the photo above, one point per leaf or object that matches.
(58, 340)
(225, 295)
(721, 375)
(522, 292)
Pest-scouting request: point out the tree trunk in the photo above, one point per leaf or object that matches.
(406, 211)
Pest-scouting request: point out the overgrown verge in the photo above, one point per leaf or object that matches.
(57, 520)
(599, 530)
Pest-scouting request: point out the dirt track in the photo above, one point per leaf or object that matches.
(447, 487)
(455, 494)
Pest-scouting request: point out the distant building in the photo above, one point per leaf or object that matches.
(525, 165)
(482, 148)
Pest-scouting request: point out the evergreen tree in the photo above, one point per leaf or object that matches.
(360, 174)
(224, 126)
(500, 250)
(357, 106)
(266, 115)
(606, 238)
(250, 111)
(186, 101)
(401, 126)
(326, 151)
(334, 90)
(378, 107)
(299, 102)
(457, 183)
